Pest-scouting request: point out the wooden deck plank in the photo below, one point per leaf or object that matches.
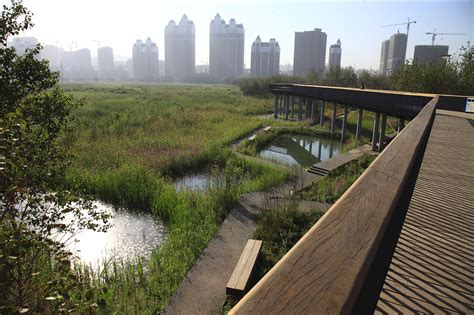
(243, 270)
(432, 269)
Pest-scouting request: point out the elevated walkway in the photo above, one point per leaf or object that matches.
(432, 269)
(400, 240)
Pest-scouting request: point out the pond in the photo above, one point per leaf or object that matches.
(301, 150)
(132, 234)
(198, 182)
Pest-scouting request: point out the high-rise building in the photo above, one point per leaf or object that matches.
(180, 49)
(335, 52)
(145, 60)
(53, 55)
(226, 54)
(430, 53)
(105, 60)
(265, 58)
(393, 57)
(384, 57)
(21, 44)
(310, 52)
(77, 65)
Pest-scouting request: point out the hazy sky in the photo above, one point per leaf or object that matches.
(118, 23)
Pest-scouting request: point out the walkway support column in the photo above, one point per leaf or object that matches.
(281, 104)
(360, 114)
(382, 132)
(344, 124)
(300, 109)
(292, 101)
(313, 110)
(375, 133)
(275, 112)
(287, 101)
(333, 120)
(307, 110)
(321, 118)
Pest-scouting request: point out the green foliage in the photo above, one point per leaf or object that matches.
(279, 229)
(130, 140)
(428, 77)
(451, 76)
(334, 185)
(34, 208)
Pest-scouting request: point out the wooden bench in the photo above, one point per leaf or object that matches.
(241, 280)
(252, 138)
(267, 128)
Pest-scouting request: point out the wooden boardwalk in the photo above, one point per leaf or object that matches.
(432, 269)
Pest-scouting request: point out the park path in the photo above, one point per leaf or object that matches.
(203, 291)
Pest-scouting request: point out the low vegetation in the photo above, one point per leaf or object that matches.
(332, 186)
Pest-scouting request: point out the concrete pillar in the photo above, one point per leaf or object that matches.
(307, 108)
(300, 109)
(344, 124)
(319, 149)
(401, 125)
(360, 114)
(382, 132)
(292, 101)
(281, 104)
(323, 108)
(375, 132)
(287, 105)
(313, 110)
(333, 120)
(275, 112)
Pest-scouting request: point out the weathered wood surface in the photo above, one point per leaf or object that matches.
(324, 271)
(432, 269)
(404, 105)
(240, 280)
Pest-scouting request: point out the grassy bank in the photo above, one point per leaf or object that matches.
(331, 187)
(130, 142)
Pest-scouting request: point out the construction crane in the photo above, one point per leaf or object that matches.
(434, 33)
(407, 24)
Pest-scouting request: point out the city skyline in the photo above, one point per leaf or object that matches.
(357, 24)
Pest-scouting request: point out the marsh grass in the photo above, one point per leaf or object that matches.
(130, 142)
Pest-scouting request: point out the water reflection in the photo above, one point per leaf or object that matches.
(132, 235)
(199, 182)
(299, 150)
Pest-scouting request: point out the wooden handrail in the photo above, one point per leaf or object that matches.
(324, 272)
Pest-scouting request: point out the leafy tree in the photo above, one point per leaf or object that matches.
(35, 209)
(466, 69)
(427, 77)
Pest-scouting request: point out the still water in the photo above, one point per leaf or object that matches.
(132, 234)
(299, 150)
(199, 182)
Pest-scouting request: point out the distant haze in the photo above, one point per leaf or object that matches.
(357, 23)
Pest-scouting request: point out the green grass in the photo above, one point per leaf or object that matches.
(331, 187)
(130, 141)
